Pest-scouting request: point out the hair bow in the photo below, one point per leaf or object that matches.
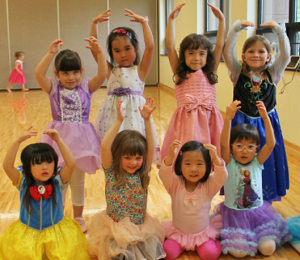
(37, 192)
(122, 31)
(190, 198)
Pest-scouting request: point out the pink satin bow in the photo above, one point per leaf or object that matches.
(192, 103)
(190, 198)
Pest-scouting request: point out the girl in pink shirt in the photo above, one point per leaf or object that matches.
(192, 189)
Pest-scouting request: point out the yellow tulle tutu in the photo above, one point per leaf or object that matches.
(113, 240)
(63, 241)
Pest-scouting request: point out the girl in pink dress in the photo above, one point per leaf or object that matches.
(197, 116)
(17, 75)
(192, 189)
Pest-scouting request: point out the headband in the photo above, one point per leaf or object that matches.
(122, 31)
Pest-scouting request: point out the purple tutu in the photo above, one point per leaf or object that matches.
(244, 230)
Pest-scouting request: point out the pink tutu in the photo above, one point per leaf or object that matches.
(190, 241)
(81, 139)
(114, 240)
(16, 77)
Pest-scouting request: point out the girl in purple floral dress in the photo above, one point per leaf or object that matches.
(124, 230)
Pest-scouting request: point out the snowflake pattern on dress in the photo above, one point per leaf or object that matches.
(129, 200)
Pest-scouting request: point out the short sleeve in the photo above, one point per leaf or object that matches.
(58, 181)
(85, 86)
(54, 85)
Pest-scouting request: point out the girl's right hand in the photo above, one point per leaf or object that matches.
(94, 45)
(247, 24)
(55, 46)
(26, 135)
(173, 150)
(213, 154)
(147, 109)
(102, 17)
(232, 108)
(175, 12)
(120, 111)
(216, 11)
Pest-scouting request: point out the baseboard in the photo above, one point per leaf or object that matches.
(291, 149)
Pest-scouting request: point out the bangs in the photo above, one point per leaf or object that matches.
(69, 63)
(195, 45)
(247, 137)
(42, 156)
(132, 148)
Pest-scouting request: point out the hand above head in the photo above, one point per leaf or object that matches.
(94, 46)
(173, 149)
(262, 109)
(55, 46)
(53, 134)
(213, 154)
(102, 17)
(147, 109)
(135, 17)
(271, 24)
(26, 135)
(175, 12)
(216, 11)
(247, 24)
(120, 111)
(231, 109)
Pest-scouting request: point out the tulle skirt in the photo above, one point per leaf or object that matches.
(16, 77)
(244, 230)
(189, 242)
(275, 176)
(63, 241)
(115, 240)
(81, 139)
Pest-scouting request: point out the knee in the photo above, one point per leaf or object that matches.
(172, 249)
(210, 250)
(267, 248)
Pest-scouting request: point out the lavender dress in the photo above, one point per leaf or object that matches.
(70, 112)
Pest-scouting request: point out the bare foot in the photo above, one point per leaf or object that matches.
(25, 89)
(8, 89)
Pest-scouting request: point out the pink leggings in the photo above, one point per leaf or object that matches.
(209, 250)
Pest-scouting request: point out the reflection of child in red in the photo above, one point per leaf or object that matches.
(19, 106)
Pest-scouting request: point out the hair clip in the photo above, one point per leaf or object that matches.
(180, 152)
(122, 31)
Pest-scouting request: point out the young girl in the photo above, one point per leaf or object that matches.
(197, 116)
(42, 231)
(70, 105)
(249, 223)
(256, 79)
(192, 190)
(126, 76)
(124, 230)
(17, 75)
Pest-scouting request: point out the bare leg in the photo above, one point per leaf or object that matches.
(9, 86)
(23, 88)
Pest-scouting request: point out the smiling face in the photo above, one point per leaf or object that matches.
(69, 79)
(195, 59)
(131, 163)
(42, 172)
(256, 56)
(123, 51)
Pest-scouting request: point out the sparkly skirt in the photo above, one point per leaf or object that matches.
(244, 230)
(124, 240)
(63, 241)
(189, 242)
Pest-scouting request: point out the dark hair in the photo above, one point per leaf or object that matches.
(123, 32)
(193, 42)
(31, 155)
(244, 132)
(67, 60)
(19, 53)
(248, 43)
(193, 146)
(129, 142)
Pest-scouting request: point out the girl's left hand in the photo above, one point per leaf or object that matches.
(216, 11)
(147, 109)
(213, 154)
(26, 135)
(271, 24)
(135, 17)
(262, 109)
(94, 46)
(53, 134)
(102, 17)
(120, 111)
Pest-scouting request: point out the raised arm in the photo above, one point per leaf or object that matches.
(145, 63)
(220, 35)
(96, 82)
(229, 53)
(282, 57)
(106, 155)
(9, 160)
(42, 68)
(170, 38)
(267, 149)
(225, 135)
(150, 137)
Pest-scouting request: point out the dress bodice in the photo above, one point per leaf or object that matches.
(196, 89)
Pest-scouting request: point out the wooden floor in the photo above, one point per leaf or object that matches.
(18, 111)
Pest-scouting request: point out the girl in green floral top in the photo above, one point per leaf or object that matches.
(124, 230)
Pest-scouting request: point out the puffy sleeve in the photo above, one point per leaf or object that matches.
(58, 181)
(85, 86)
(53, 86)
